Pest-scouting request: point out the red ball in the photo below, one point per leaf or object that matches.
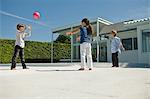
(36, 15)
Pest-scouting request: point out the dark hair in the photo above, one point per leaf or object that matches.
(88, 25)
(20, 25)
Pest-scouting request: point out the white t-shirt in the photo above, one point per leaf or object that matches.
(20, 38)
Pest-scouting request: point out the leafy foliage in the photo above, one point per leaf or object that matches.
(35, 51)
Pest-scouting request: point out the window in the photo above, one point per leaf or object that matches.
(146, 40)
(127, 43)
(135, 43)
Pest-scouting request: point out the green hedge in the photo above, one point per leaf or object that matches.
(35, 51)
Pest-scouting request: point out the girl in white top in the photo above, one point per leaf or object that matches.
(85, 38)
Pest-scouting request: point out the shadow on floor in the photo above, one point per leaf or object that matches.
(135, 65)
(54, 70)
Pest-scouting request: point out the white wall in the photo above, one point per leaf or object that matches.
(143, 57)
(130, 56)
(128, 34)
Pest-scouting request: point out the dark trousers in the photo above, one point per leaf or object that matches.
(115, 60)
(20, 51)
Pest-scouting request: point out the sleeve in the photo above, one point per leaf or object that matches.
(28, 33)
(118, 42)
(84, 29)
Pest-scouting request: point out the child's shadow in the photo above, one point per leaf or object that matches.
(55, 70)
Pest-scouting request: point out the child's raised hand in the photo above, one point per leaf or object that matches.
(78, 39)
(29, 27)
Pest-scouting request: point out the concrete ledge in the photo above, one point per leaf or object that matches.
(98, 65)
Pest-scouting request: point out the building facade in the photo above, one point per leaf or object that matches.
(135, 36)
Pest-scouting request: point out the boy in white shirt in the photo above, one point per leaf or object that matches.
(20, 44)
(116, 46)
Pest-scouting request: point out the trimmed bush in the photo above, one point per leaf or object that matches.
(35, 51)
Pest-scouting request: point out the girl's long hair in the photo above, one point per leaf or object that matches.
(88, 25)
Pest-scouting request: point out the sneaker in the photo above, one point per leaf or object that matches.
(13, 68)
(81, 69)
(90, 68)
(26, 68)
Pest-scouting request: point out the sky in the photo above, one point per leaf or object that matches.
(56, 13)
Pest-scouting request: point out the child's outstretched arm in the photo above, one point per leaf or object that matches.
(29, 30)
(121, 46)
(75, 31)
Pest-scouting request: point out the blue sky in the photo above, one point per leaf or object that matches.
(57, 13)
